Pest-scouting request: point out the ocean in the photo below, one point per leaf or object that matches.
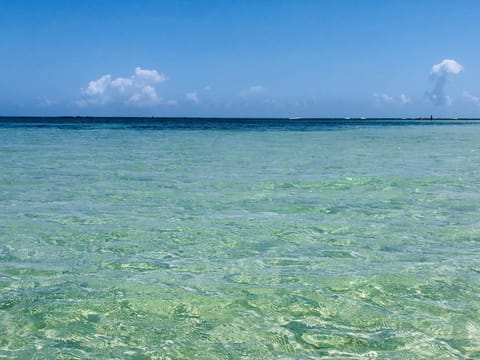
(239, 239)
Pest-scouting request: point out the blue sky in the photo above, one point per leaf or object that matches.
(240, 58)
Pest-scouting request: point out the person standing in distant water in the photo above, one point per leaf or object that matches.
(431, 117)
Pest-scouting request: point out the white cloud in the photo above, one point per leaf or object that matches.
(122, 84)
(439, 75)
(145, 94)
(99, 86)
(253, 90)
(135, 90)
(404, 99)
(46, 103)
(472, 98)
(149, 76)
(193, 97)
(447, 66)
(383, 98)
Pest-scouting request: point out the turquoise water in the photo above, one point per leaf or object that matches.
(323, 240)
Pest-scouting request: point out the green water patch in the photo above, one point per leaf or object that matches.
(149, 244)
(28, 272)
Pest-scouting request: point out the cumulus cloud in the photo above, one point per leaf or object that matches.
(472, 98)
(404, 99)
(149, 76)
(138, 89)
(253, 90)
(439, 75)
(447, 66)
(386, 99)
(192, 97)
(383, 98)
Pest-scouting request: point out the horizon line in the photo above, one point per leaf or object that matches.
(292, 118)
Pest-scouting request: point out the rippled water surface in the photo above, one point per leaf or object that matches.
(187, 240)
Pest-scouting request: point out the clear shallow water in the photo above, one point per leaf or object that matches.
(224, 240)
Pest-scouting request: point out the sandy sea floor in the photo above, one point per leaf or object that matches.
(334, 241)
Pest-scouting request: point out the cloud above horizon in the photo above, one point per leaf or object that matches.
(440, 74)
(137, 90)
(404, 99)
(474, 99)
(193, 97)
(383, 98)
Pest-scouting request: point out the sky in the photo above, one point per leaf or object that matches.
(329, 58)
